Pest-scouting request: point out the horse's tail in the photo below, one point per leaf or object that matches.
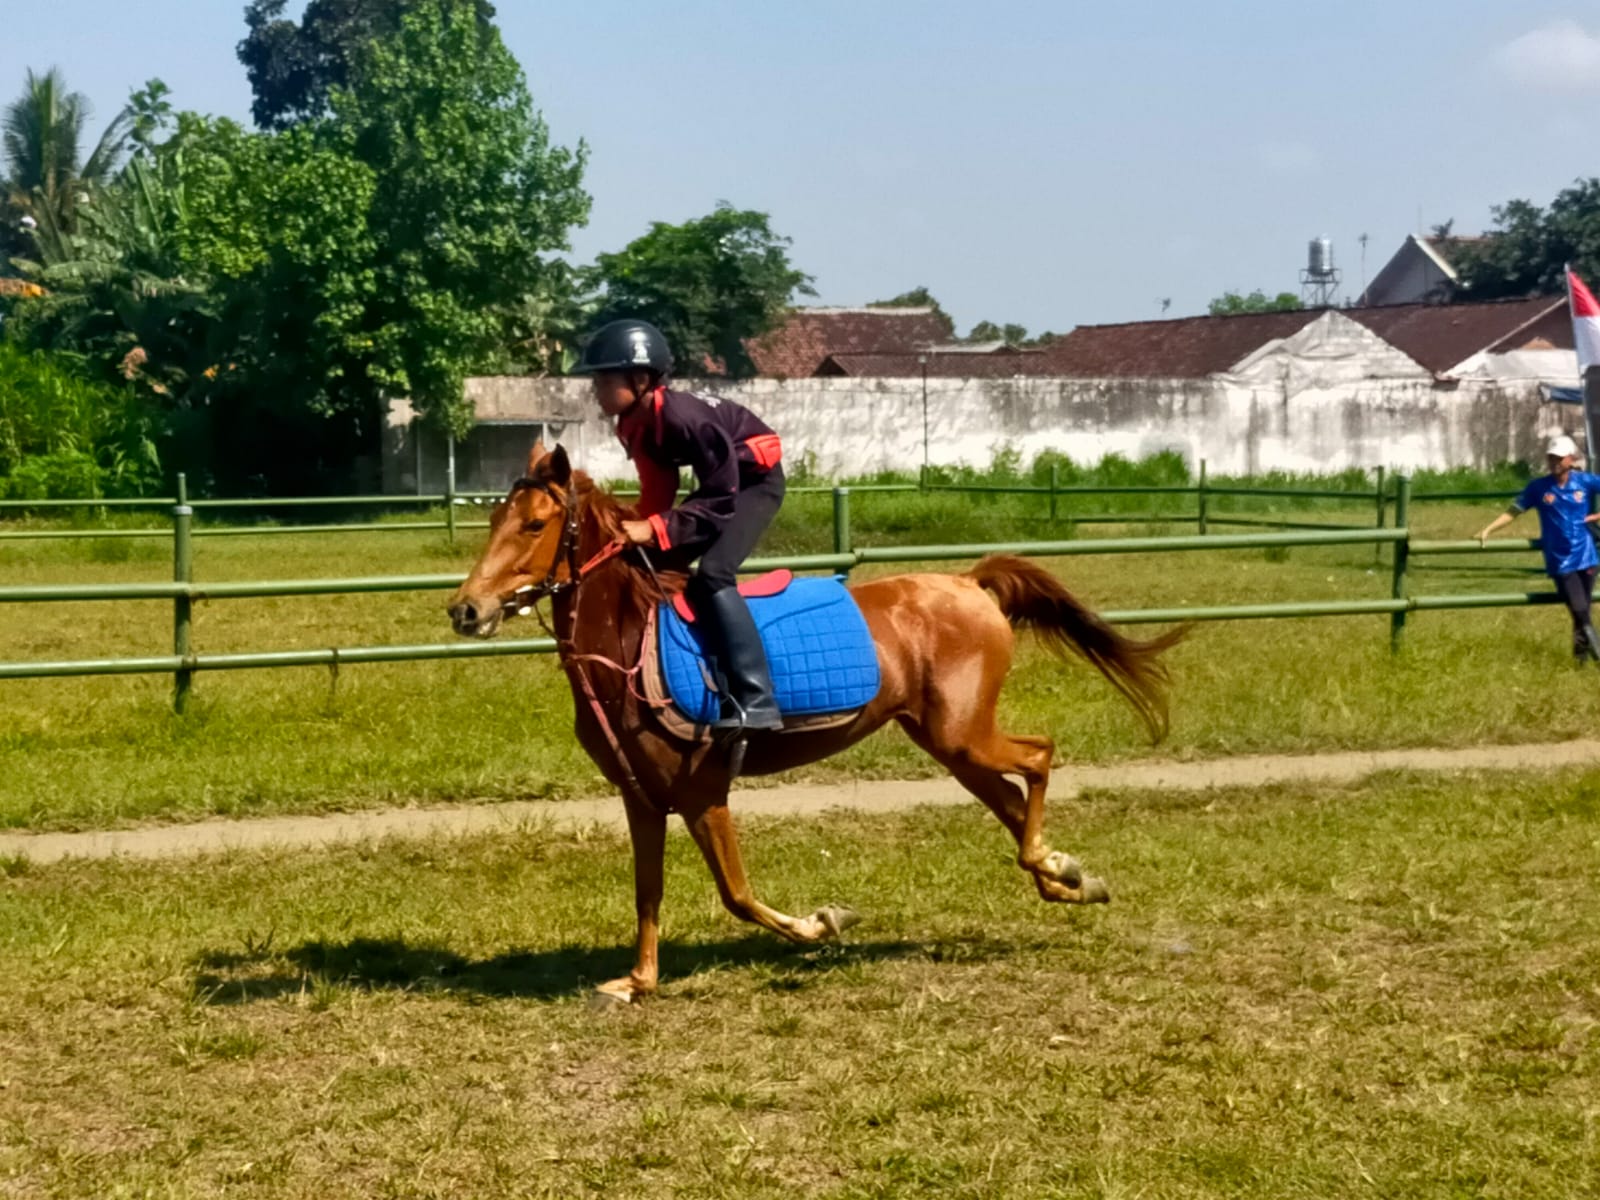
(1032, 598)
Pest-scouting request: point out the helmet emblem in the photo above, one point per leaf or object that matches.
(641, 351)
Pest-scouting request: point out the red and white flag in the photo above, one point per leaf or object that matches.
(1585, 322)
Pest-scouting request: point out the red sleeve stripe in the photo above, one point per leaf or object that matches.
(660, 527)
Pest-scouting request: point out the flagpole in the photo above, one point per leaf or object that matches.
(1590, 373)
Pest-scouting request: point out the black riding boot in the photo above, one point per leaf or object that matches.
(730, 635)
(1586, 644)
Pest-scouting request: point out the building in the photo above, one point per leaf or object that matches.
(1400, 386)
(1423, 271)
(809, 336)
(1526, 340)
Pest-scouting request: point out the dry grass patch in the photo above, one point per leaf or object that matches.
(1390, 989)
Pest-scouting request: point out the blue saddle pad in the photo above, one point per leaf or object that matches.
(821, 654)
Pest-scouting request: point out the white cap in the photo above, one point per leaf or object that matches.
(1562, 447)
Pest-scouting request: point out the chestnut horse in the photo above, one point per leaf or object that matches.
(944, 648)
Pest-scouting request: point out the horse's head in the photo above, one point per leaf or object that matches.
(528, 551)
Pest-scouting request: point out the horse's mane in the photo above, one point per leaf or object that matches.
(597, 505)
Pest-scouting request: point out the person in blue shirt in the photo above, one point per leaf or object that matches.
(1562, 501)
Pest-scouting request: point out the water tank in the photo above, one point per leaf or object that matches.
(1320, 258)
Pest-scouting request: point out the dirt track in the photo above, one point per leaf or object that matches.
(299, 832)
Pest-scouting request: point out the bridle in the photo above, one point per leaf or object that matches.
(521, 601)
(525, 599)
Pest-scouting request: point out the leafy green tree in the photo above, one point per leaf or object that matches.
(707, 284)
(988, 331)
(1232, 303)
(275, 289)
(470, 199)
(294, 67)
(918, 297)
(1529, 247)
(41, 152)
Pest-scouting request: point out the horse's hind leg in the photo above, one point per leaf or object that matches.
(713, 831)
(980, 761)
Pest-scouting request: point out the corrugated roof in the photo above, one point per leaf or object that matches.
(797, 347)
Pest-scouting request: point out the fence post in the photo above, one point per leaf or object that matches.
(182, 607)
(1402, 552)
(1201, 499)
(1055, 483)
(1383, 512)
(450, 491)
(841, 522)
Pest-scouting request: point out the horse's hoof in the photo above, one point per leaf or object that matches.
(1063, 868)
(1095, 891)
(600, 1000)
(836, 919)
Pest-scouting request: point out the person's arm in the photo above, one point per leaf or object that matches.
(705, 510)
(1498, 523)
(1520, 505)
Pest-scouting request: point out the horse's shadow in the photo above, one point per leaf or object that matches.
(226, 977)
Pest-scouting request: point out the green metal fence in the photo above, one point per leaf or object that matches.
(1054, 494)
(184, 591)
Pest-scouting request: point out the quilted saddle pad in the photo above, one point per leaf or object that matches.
(819, 649)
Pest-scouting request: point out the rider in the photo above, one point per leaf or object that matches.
(735, 460)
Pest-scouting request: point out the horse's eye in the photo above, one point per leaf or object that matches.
(533, 527)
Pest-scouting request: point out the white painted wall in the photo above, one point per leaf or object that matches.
(1309, 403)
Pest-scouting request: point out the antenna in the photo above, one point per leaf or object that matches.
(1363, 240)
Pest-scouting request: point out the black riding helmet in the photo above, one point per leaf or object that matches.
(626, 345)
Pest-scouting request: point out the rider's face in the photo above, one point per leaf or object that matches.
(618, 391)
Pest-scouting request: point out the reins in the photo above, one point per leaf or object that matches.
(526, 599)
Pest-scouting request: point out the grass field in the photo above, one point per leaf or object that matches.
(1390, 989)
(94, 752)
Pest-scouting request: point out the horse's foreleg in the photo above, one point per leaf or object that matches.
(713, 831)
(647, 828)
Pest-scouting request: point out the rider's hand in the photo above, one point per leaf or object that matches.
(638, 533)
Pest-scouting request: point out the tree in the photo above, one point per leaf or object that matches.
(1233, 303)
(1528, 248)
(41, 146)
(294, 68)
(707, 284)
(469, 199)
(919, 297)
(988, 331)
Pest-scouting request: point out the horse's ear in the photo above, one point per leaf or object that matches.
(560, 469)
(535, 457)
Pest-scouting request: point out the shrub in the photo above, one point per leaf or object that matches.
(64, 434)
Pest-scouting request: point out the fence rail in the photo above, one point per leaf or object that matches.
(1203, 515)
(184, 590)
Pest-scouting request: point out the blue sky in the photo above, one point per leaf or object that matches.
(1050, 163)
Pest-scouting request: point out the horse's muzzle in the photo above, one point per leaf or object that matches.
(474, 618)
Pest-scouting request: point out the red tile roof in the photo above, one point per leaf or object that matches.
(1439, 336)
(998, 364)
(1435, 336)
(1186, 348)
(797, 347)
